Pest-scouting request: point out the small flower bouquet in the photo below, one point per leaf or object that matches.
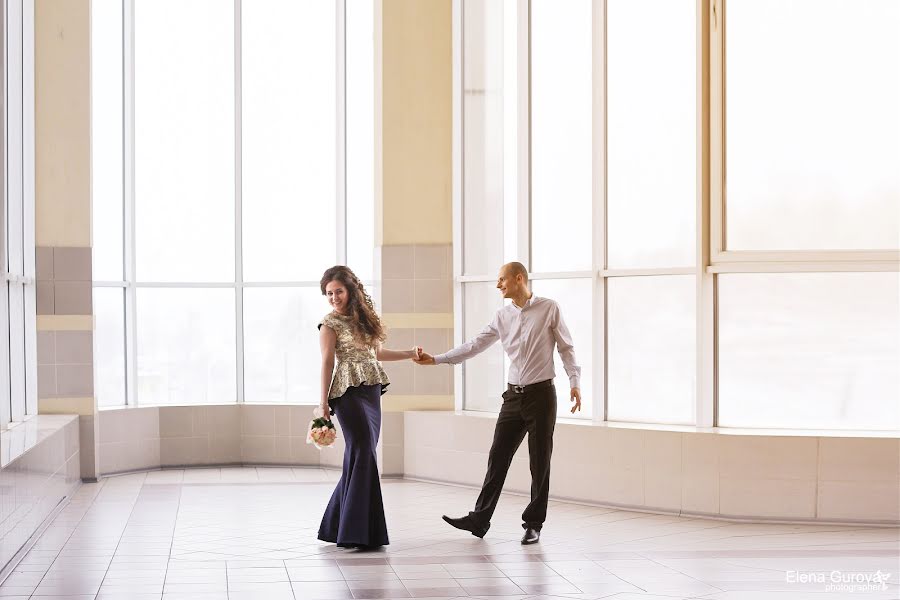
(321, 433)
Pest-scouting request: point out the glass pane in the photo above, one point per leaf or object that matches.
(574, 298)
(289, 137)
(813, 130)
(651, 133)
(809, 350)
(184, 140)
(107, 163)
(490, 134)
(651, 349)
(109, 347)
(361, 137)
(185, 346)
(484, 376)
(561, 117)
(281, 344)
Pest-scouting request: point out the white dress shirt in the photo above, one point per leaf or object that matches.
(528, 335)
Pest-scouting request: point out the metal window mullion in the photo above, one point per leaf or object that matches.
(458, 166)
(128, 212)
(15, 208)
(599, 203)
(238, 208)
(5, 408)
(341, 131)
(523, 64)
(708, 235)
(28, 216)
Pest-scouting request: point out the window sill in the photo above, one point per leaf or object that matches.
(22, 436)
(738, 431)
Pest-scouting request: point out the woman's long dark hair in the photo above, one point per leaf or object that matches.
(366, 323)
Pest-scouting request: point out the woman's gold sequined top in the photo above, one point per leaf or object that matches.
(356, 363)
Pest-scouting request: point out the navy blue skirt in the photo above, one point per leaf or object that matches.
(355, 513)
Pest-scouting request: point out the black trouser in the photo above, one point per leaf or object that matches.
(530, 410)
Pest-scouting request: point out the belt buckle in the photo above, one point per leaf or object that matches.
(519, 389)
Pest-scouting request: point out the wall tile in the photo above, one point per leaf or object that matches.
(71, 264)
(767, 457)
(283, 422)
(256, 449)
(662, 469)
(257, 420)
(401, 375)
(433, 380)
(74, 380)
(45, 301)
(72, 298)
(434, 341)
(433, 262)
(74, 347)
(43, 263)
(433, 296)
(225, 449)
(700, 468)
(303, 453)
(179, 451)
(176, 421)
(46, 347)
(860, 459)
(397, 296)
(848, 500)
(785, 498)
(46, 382)
(397, 262)
(400, 339)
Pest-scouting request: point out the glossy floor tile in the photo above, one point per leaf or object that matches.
(251, 533)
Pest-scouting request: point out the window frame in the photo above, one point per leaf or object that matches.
(18, 353)
(130, 284)
(711, 256)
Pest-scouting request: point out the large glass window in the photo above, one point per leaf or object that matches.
(716, 217)
(222, 161)
(813, 130)
(18, 354)
(561, 148)
(651, 133)
(809, 350)
(183, 140)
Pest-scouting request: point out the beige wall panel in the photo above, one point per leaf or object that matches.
(416, 122)
(62, 118)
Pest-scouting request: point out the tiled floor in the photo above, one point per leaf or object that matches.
(250, 533)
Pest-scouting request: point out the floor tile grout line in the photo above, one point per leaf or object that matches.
(62, 547)
(174, 534)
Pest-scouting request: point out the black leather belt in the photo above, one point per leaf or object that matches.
(521, 389)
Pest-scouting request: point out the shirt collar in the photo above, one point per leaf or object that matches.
(528, 303)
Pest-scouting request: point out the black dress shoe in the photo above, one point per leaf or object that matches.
(466, 523)
(532, 536)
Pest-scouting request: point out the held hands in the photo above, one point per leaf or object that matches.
(422, 357)
(575, 394)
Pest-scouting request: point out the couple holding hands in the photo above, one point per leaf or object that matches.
(353, 380)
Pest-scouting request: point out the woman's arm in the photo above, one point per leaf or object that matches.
(383, 354)
(327, 342)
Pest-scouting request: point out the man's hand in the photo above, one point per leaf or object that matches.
(424, 358)
(575, 395)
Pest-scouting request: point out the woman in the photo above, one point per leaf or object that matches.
(353, 334)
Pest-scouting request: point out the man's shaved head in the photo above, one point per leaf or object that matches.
(516, 268)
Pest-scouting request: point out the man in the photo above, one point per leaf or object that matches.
(529, 328)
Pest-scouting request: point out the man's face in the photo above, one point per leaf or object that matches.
(508, 284)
